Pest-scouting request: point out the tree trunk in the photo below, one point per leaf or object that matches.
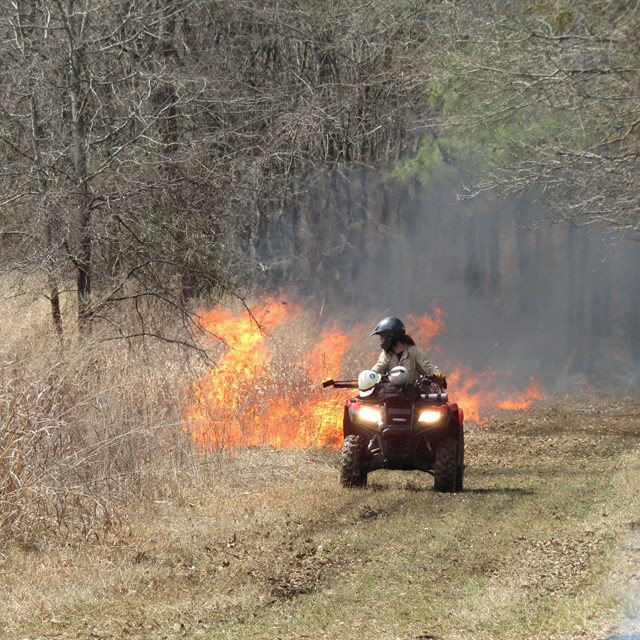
(76, 23)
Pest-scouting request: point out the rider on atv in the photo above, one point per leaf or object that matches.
(399, 349)
(402, 418)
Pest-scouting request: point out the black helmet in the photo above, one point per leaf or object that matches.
(393, 330)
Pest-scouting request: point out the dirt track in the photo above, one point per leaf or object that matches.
(531, 548)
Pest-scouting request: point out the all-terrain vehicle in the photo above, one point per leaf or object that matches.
(424, 433)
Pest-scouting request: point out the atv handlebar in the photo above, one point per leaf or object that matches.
(340, 384)
(353, 384)
(431, 381)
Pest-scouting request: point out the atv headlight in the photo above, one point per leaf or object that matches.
(429, 416)
(369, 414)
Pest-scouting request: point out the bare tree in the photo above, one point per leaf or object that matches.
(167, 147)
(97, 140)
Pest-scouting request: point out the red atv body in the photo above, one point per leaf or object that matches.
(422, 432)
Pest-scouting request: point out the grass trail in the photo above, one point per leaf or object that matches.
(537, 546)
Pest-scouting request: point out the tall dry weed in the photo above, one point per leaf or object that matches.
(91, 429)
(87, 431)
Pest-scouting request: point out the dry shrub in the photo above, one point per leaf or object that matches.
(75, 446)
(87, 431)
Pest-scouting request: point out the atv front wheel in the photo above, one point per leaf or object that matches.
(352, 473)
(446, 466)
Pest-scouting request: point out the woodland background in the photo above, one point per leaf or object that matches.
(157, 154)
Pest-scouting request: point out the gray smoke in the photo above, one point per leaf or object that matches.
(518, 293)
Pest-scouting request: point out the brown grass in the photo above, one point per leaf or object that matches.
(84, 430)
(114, 527)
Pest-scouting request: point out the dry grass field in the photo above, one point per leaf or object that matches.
(114, 525)
(542, 544)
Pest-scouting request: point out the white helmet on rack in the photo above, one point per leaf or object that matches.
(398, 376)
(367, 380)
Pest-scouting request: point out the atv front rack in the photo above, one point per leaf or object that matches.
(353, 384)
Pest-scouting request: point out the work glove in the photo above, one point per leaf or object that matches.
(440, 378)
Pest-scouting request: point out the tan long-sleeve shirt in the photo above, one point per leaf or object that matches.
(412, 358)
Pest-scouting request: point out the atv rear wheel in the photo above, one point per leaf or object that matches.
(352, 473)
(445, 467)
(460, 463)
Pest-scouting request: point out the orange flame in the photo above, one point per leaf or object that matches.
(480, 393)
(525, 398)
(425, 328)
(268, 392)
(327, 356)
(255, 397)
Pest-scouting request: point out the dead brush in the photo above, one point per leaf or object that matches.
(42, 489)
(92, 431)
(84, 435)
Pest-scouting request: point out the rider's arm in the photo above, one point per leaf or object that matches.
(382, 366)
(423, 364)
